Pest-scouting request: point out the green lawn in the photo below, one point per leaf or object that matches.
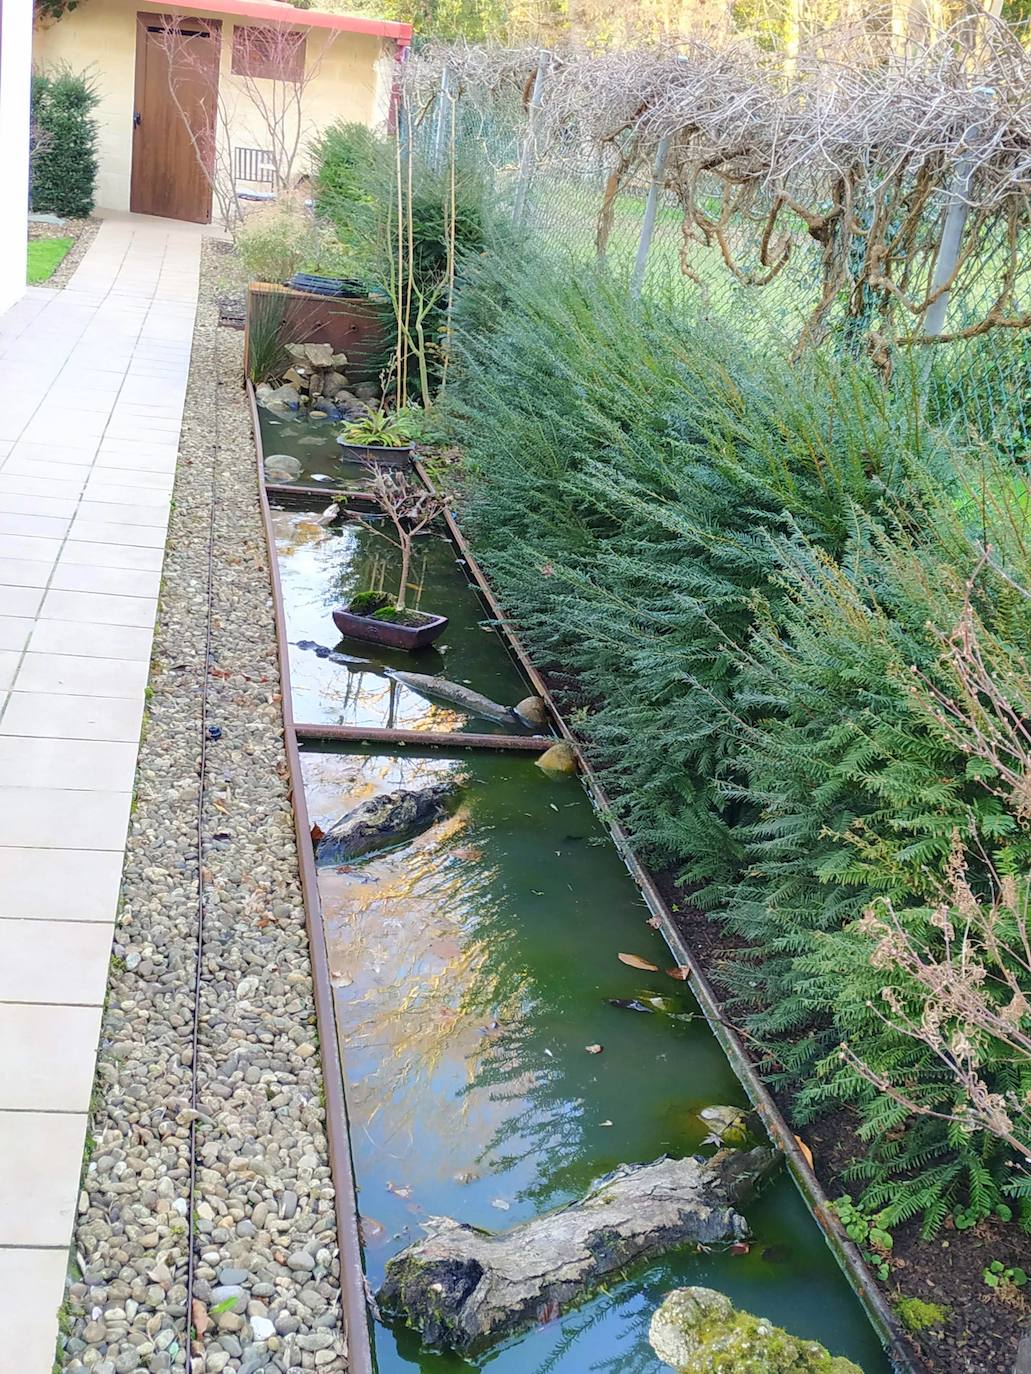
(44, 257)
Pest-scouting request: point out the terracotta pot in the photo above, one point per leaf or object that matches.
(388, 633)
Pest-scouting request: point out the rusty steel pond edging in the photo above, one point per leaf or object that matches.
(439, 739)
(353, 1284)
(353, 1288)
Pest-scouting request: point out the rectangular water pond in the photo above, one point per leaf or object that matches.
(321, 569)
(472, 966)
(314, 444)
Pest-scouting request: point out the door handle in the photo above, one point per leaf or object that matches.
(137, 119)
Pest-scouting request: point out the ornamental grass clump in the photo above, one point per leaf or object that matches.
(763, 582)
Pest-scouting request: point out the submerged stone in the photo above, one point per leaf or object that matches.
(699, 1331)
(560, 758)
(280, 467)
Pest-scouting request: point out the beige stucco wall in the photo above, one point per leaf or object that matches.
(347, 80)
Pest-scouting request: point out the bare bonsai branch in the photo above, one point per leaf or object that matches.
(408, 507)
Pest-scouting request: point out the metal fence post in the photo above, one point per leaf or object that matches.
(948, 251)
(529, 142)
(651, 210)
(441, 123)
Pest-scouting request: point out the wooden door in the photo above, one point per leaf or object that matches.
(173, 137)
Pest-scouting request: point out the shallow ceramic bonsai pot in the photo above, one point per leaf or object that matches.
(385, 456)
(389, 633)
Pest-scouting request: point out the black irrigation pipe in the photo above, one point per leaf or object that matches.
(847, 1255)
(191, 1230)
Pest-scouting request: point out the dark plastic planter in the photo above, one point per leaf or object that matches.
(385, 632)
(376, 453)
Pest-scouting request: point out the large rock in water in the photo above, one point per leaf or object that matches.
(461, 1287)
(280, 467)
(385, 820)
(699, 1331)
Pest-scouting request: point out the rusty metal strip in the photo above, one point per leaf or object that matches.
(285, 490)
(848, 1256)
(437, 739)
(352, 1269)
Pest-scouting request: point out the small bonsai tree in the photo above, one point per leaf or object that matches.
(409, 509)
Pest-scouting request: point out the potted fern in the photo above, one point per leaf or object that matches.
(377, 438)
(372, 615)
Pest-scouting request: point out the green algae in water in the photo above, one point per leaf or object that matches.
(322, 569)
(314, 444)
(472, 967)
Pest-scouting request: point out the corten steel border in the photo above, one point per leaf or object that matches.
(438, 739)
(353, 1291)
(284, 491)
(846, 1254)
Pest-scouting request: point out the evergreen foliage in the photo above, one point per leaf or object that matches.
(749, 568)
(446, 215)
(64, 163)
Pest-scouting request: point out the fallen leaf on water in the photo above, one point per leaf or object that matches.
(594, 1049)
(399, 1192)
(740, 1247)
(805, 1150)
(373, 1231)
(681, 973)
(201, 1320)
(553, 806)
(604, 1123)
(500, 1204)
(317, 833)
(635, 961)
(468, 851)
(654, 922)
(549, 1312)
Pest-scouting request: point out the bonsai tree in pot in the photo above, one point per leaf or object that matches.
(372, 615)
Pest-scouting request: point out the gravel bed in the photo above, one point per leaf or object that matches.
(266, 1286)
(83, 231)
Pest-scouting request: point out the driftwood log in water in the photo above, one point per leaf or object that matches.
(454, 692)
(383, 821)
(461, 1287)
(530, 712)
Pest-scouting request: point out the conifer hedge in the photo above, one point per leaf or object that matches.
(64, 161)
(749, 568)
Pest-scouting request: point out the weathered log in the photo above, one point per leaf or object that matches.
(383, 821)
(461, 1287)
(473, 702)
(697, 1330)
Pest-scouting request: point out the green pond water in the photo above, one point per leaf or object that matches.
(313, 443)
(322, 569)
(472, 966)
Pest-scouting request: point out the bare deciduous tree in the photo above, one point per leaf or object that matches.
(262, 99)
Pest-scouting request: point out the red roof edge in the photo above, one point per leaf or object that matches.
(273, 11)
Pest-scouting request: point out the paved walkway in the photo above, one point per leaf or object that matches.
(92, 383)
